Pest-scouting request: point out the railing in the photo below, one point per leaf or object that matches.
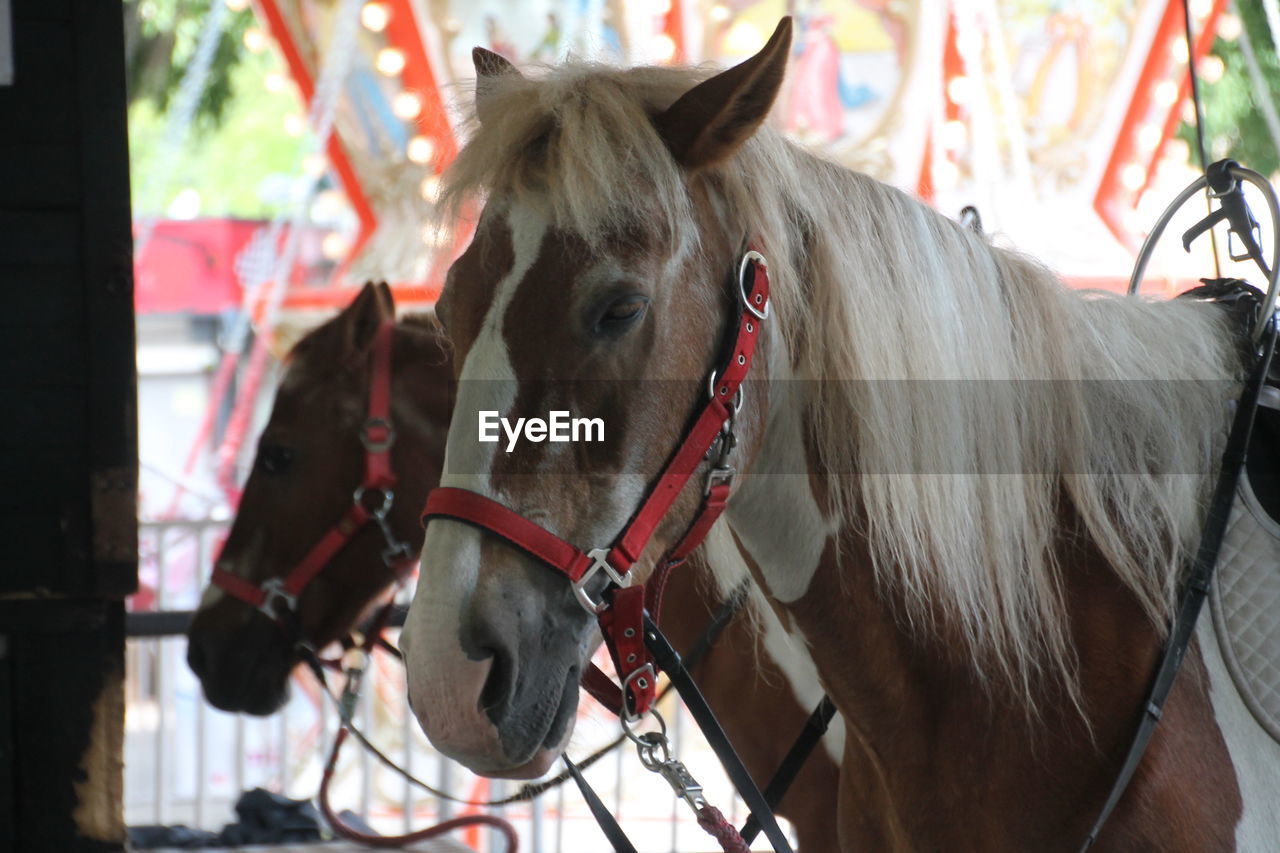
(186, 762)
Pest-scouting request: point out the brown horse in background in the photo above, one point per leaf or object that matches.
(307, 464)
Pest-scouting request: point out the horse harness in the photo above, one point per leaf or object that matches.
(635, 644)
(277, 597)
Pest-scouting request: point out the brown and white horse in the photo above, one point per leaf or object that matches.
(308, 463)
(968, 488)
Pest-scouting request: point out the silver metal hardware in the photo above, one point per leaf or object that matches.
(711, 393)
(395, 550)
(369, 443)
(599, 563)
(655, 754)
(760, 313)
(717, 475)
(639, 676)
(273, 590)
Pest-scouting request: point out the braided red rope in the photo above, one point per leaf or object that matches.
(713, 821)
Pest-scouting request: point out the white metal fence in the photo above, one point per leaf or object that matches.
(186, 762)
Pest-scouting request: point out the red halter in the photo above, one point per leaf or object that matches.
(620, 612)
(377, 435)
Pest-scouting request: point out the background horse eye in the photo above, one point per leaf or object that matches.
(274, 459)
(620, 315)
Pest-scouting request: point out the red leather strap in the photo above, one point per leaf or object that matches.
(322, 552)
(237, 587)
(622, 625)
(377, 434)
(487, 514)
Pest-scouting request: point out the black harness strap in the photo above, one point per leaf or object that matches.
(668, 660)
(604, 817)
(814, 728)
(1197, 583)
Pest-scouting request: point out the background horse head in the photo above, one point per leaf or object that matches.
(957, 478)
(309, 462)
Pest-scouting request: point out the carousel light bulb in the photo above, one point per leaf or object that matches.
(406, 105)
(1132, 177)
(719, 13)
(661, 7)
(237, 5)
(430, 188)
(664, 47)
(1201, 8)
(314, 165)
(959, 89)
(255, 40)
(294, 124)
(1149, 137)
(953, 135)
(421, 150)
(1165, 93)
(452, 26)
(1211, 68)
(334, 246)
(390, 61)
(375, 16)
(1229, 26)
(275, 82)
(1178, 50)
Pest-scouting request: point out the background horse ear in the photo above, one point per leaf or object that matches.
(713, 118)
(489, 66)
(360, 320)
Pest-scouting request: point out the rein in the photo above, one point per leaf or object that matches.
(277, 597)
(636, 646)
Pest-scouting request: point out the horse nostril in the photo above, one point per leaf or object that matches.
(495, 696)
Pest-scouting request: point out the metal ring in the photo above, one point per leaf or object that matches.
(388, 498)
(629, 723)
(377, 446)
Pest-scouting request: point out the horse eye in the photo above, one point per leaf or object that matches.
(620, 315)
(274, 459)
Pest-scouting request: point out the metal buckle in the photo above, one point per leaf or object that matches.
(760, 313)
(273, 590)
(375, 446)
(599, 562)
(721, 474)
(628, 715)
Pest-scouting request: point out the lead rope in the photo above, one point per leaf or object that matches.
(346, 711)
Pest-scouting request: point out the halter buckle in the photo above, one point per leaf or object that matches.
(599, 562)
(719, 475)
(377, 445)
(273, 590)
(646, 671)
(761, 311)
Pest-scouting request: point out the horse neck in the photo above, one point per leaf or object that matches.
(918, 706)
(421, 380)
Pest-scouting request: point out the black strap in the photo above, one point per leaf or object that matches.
(1197, 583)
(604, 817)
(668, 660)
(814, 728)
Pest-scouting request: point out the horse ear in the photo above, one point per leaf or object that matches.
(489, 66)
(360, 319)
(712, 119)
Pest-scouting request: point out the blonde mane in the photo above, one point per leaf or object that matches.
(965, 401)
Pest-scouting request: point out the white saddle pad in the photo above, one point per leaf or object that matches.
(1245, 602)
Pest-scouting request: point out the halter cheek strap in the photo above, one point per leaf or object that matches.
(377, 435)
(620, 610)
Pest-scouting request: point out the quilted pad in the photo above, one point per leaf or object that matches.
(1245, 602)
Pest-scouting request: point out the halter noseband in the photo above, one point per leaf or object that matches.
(620, 609)
(278, 597)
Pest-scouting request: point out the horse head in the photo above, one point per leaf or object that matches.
(303, 504)
(601, 282)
